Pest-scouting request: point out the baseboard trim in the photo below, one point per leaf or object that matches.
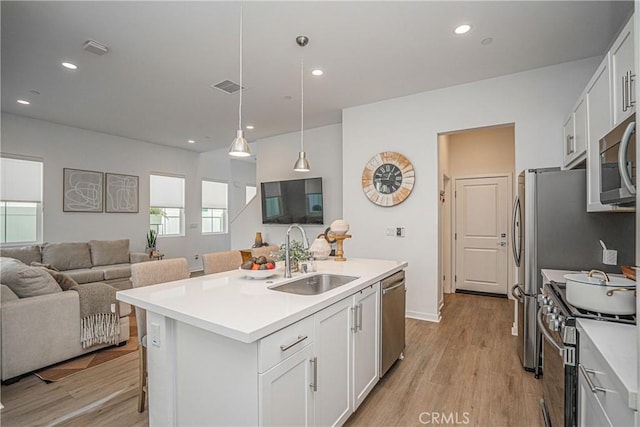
(429, 317)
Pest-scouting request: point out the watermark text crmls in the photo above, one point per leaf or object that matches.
(437, 418)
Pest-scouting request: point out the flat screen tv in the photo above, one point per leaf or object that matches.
(295, 201)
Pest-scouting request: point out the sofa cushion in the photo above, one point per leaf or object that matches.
(26, 254)
(107, 252)
(116, 271)
(26, 281)
(67, 255)
(64, 280)
(86, 275)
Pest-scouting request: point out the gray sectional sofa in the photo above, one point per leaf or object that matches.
(41, 330)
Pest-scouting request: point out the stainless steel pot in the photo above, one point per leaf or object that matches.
(597, 291)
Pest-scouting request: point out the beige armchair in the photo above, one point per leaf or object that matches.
(215, 262)
(145, 274)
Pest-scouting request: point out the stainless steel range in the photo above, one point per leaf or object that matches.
(557, 321)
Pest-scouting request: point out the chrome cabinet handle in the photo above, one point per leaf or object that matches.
(625, 88)
(360, 316)
(354, 311)
(632, 78)
(622, 158)
(570, 148)
(587, 378)
(314, 384)
(286, 347)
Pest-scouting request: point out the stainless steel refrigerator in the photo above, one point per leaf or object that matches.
(552, 229)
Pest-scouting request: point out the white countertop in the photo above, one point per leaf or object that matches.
(244, 309)
(618, 345)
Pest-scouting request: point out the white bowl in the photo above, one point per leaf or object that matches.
(259, 274)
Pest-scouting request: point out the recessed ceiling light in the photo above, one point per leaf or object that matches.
(486, 41)
(461, 29)
(69, 66)
(250, 127)
(317, 72)
(23, 102)
(191, 141)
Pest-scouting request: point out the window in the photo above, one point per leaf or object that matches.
(166, 213)
(21, 201)
(250, 193)
(214, 207)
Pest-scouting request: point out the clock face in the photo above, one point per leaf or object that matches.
(387, 179)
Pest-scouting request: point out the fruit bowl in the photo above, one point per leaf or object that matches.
(260, 274)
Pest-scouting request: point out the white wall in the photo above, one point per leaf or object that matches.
(276, 156)
(67, 147)
(536, 101)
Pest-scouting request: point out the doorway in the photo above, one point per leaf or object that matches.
(473, 159)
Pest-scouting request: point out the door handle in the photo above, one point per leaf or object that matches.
(354, 310)
(503, 244)
(622, 158)
(515, 229)
(314, 384)
(360, 316)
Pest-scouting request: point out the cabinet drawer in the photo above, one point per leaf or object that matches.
(276, 347)
(614, 398)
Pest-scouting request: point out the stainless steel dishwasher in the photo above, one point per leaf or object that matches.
(392, 315)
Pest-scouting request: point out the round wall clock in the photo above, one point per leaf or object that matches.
(388, 178)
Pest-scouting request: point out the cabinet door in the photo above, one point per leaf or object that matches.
(622, 66)
(286, 394)
(365, 343)
(599, 119)
(590, 412)
(580, 131)
(333, 337)
(569, 141)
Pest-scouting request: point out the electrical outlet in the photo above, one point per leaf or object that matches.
(196, 256)
(399, 231)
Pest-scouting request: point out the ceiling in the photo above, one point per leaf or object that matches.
(154, 83)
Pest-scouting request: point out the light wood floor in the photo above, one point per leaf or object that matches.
(466, 363)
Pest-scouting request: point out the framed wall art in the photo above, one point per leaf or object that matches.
(121, 193)
(82, 190)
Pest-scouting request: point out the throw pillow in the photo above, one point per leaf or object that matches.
(64, 280)
(47, 266)
(108, 252)
(26, 281)
(67, 255)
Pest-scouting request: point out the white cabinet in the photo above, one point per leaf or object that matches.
(347, 349)
(590, 411)
(286, 391)
(575, 135)
(333, 351)
(623, 74)
(366, 339)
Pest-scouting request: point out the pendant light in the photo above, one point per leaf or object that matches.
(239, 146)
(302, 165)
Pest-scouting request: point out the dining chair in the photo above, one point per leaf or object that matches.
(265, 251)
(215, 262)
(146, 274)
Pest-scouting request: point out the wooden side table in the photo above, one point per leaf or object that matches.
(156, 256)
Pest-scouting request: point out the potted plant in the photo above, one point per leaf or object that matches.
(155, 216)
(297, 252)
(152, 238)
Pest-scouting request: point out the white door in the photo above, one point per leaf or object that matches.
(481, 234)
(286, 397)
(333, 337)
(365, 343)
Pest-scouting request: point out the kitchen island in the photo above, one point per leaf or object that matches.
(224, 349)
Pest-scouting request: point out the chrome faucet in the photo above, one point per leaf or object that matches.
(287, 243)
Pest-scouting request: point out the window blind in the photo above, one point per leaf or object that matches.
(214, 195)
(21, 180)
(166, 191)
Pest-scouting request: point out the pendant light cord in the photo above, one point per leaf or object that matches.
(240, 106)
(302, 102)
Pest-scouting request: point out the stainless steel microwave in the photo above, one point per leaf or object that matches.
(618, 164)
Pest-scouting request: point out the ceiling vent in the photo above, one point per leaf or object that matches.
(95, 47)
(227, 86)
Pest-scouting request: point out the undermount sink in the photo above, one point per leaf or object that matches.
(314, 285)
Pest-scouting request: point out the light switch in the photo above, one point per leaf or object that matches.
(154, 334)
(399, 231)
